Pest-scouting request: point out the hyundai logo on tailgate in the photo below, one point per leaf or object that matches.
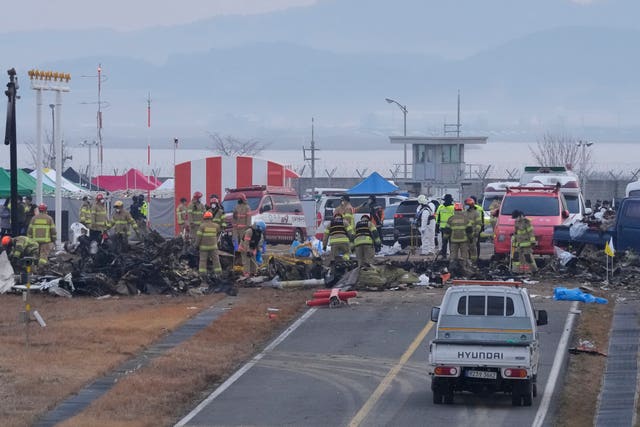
(480, 355)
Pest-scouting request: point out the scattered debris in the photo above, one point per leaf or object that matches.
(333, 298)
(586, 347)
(564, 294)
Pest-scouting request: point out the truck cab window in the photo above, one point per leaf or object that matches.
(480, 305)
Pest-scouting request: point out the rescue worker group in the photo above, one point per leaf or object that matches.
(37, 230)
(201, 225)
(460, 227)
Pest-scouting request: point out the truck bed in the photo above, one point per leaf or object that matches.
(591, 236)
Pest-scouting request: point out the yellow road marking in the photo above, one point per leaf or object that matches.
(377, 394)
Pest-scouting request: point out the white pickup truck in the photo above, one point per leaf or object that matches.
(486, 341)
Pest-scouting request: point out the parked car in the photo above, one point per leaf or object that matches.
(278, 207)
(328, 203)
(388, 236)
(544, 206)
(405, 233)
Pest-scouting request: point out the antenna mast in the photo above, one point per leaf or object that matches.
(313, 157)
(99, 118)
(454, 127)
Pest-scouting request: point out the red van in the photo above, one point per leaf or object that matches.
(278, 207)
(544, 206)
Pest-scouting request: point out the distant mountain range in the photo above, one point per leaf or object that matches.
(265, 76)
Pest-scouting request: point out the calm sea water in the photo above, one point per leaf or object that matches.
(501, 156)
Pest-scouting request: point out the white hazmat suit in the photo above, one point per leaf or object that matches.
(424, 214)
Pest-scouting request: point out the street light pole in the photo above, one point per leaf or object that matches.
(39, 146)
(57, 82)
(583, 162)
(404, 110)
(88, 144)
(53, 130)
(175, 147)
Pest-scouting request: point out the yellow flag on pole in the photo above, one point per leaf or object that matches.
(609, 249)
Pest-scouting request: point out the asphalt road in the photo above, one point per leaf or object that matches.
(344, 367)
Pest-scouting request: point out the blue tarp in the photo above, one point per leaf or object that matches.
(373, 184)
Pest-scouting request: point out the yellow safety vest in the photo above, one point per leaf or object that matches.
(443, 213)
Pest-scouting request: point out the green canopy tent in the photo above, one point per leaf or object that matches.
(31, 183)
(5, 185)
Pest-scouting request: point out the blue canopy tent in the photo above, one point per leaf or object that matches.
(373, 184)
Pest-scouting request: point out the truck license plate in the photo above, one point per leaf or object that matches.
(487, 375)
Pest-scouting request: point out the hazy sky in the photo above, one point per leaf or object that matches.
(125, 15)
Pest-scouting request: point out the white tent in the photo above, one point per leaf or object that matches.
(49, 177)
(169, 184)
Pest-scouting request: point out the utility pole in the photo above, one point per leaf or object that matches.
(10, 139)
(313, 157)
(99, 119)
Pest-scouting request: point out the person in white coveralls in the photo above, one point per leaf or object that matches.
(425, 223)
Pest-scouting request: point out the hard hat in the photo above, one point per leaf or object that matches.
(469, 201)
(260, 225)
(207, 215)
(42, 207)
(197, 195)
(457, 206)
(99, 196)
(243, 197)
(422, 199)
(366, 216)
(214, 200)
(118, 204)
(6, 240)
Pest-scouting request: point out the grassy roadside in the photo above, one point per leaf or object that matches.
(172, 384)
(86, 338)
(579, 398)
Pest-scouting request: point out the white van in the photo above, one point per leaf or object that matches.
(492, 192)
(570, 188)
(633, 189)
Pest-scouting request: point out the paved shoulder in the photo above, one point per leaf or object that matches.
(618, 397)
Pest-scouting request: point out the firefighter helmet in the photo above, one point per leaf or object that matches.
(469, 202)
(6, 241)
(260, 225)
(207, 215)
(118, 204)
(457, 206)
(99, 196)
(197, 195)
(422, 199)
(42, 207)
(214, 200)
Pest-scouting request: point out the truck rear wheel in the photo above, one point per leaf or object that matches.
(448, 398)
(522, 394)
(442, 391)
